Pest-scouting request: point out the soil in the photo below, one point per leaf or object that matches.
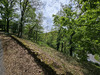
(16, 59)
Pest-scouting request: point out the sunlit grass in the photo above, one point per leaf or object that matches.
(97, 57)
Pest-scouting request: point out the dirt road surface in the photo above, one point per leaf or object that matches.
(17, 61)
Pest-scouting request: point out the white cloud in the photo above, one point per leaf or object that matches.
(51, 7)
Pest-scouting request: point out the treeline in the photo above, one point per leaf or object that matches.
(77, 29)
(20, 17)
(77, 25)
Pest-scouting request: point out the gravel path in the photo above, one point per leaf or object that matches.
(17, 61)
(1, 60)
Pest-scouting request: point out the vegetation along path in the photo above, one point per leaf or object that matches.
(17, 61)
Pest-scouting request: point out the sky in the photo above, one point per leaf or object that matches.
(51, 7)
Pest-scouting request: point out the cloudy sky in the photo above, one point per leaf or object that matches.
(51, 7)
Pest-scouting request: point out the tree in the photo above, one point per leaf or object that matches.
(25, 5)
(65, 19)
(7, 9)
(33, 26)
(88, 23)
(82, 27)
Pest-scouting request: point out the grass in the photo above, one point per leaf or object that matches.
(97, 57)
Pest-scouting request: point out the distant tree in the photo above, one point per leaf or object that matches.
(33, 27)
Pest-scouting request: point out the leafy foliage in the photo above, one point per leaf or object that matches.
(82, 29)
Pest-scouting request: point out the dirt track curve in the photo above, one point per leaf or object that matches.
(17, 61)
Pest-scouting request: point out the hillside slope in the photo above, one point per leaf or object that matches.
(58, 62)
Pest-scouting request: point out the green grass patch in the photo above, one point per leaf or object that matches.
(97, 57)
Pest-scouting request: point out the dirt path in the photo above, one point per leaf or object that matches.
(17, 61)
(1, 60)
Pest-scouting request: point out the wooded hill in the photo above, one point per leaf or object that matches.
(76, 29)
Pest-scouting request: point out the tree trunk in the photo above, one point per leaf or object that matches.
(70, 43)
(71, 51)
(58, 44)
(20, 30)
(58, 39)
(36, 36)
(7, 25)
(30, 32)
(62, 47)
(21, 27)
